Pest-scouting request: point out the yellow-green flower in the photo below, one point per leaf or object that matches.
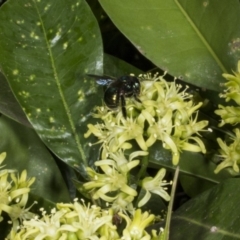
(114, 179)
(5, 187)
(70, 221)
(14, 192)
(90, 221)
(161, 129)
(119, 161)
(86, 219)
(190, 128)
(135, 229)
(229, 114)
(154, 185)
(230, 154)
(109, 229)
(110, 182)
(18, 213)
(22, 181)
(123, 203)
(48, 227)
(233, 86)
(116, 132)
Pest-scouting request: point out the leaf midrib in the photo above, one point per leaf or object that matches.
(201, 37)
(65, 105)
(207, 227)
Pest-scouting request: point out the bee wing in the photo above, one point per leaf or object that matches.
(102, 80)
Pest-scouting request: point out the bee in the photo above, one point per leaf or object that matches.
(117, 89)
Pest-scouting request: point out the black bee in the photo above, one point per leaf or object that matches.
(118, 89)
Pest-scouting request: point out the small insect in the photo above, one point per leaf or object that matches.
(116, 219)
(119, 89)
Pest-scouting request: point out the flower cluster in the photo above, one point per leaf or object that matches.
(230, 114)
(14, 194)
(114, 179)
(230, 154)
(164, 113)
(112, 185)
(82, 221)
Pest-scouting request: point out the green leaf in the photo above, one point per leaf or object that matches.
(9, 105)
(26, 151)
(193, 186)
(191, 164)
(212, 215)
(46, 48)
(194, 40)
(116, 67)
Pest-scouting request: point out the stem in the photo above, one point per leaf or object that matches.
(170, 206)
(143, 168)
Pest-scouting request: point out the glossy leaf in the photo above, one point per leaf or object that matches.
(191, 164)
(26, 151)
(116, 67)
(9, 105)
(193, 186)
(194, 40)
(212, 215)
(46, 48)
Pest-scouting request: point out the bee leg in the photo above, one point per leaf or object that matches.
(123, 105)
(137, 99)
